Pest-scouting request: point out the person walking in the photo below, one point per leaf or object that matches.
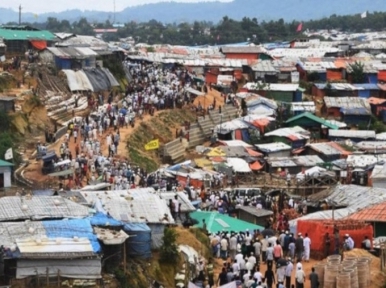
(269, 277)
(300, 278)
(314, 278)
(299, 246)
(307, 247)
(288, 273)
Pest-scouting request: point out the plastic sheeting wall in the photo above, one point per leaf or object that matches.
(92, 79)
(139, 241)
(79, 269)
(157, 233)
(98, 79)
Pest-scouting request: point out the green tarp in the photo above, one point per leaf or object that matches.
(217, 222)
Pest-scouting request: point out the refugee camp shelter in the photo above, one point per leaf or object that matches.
(69, 57)
(142, 205)
(245, 52)
(253, 215)
(59, 249)
(294, 164)
(217, 222)
(19, 39)
(351, 110)
(295, 136)
(309, 120)
(374, 214)
(139, 242)
(5, 174)
(283, 92)
(347, 199)
(327, 151)
(276, 149)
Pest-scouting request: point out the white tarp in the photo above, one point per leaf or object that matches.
(64, 162)
(239, 165)
(194, 91)
(58, 245)
(78, 81)
(79, 269)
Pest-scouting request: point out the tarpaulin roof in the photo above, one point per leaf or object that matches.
(16, 34)
(215, 152)
(239, 165)
(217, 222)
(255, 166)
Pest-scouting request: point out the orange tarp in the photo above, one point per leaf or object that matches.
(255, 166)
(382, 75)
(334, 74)
(38, 44)
(261, 124)
(253, 153)
(340, 148)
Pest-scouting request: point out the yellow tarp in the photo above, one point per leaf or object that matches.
(203, 163)
(216, 152)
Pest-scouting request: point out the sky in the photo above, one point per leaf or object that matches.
(42, 6)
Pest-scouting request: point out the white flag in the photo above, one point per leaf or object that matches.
(364, 14)
(9, 154)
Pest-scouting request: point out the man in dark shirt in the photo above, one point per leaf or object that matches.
(299, 246)
(314, 279)
(269, 277)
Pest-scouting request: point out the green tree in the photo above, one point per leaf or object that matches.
(357, 72)
(169, 251)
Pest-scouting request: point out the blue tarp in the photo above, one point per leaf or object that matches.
(100, 219)
(71, 228)
(245, 135)
(139, 242)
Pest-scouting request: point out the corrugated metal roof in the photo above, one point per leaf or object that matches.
(133, 206)
(15, 34)
(364, 134)
(375, 213)
(292, 133)
(264, 66)
(324, 148)
(39, 207)
(72, 52)
(303, 106)
(372, 146)
(347, 102)
(297, 161)
(243, 49)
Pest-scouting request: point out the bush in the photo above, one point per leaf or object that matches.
(169, 251)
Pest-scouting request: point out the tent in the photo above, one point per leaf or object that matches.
(217, 222)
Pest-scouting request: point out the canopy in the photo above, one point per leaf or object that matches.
(217, 222)
(194, 91)
(39, 44)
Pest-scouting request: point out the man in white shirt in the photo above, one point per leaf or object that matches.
(224, 248)
(236, 268)
(252, 259)
(348, 242)
(300, 278)
(307, 247)
(239, 256)
(264, 246)
(232, 246)
(257, 275)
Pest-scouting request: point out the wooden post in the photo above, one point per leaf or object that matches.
(59, 282)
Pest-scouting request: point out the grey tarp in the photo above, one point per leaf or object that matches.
(79, 269)
(110, 76)
(62, 173)
(98, 79)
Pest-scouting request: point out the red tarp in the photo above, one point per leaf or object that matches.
(38, 44)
